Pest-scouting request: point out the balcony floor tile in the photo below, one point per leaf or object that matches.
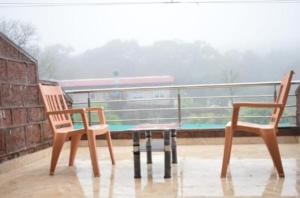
(251, 174)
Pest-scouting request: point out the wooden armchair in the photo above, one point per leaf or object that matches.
(60, 120)
(268, 132)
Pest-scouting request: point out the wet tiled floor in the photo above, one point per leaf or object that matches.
(251, 174)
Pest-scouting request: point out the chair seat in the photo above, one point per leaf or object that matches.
(252, 127)
(68, 130)
(99, 129)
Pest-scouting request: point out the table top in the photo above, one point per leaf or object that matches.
(155, 127)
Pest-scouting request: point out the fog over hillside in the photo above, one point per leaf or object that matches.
(212, 41)
(188, 62)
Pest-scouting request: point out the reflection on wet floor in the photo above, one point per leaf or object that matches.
(251, 174)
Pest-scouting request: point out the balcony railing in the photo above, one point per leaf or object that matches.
(192, 106)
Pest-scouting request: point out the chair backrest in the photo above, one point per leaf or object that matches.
(282, 98)
(54, 100)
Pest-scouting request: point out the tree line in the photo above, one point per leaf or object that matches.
(188, 62)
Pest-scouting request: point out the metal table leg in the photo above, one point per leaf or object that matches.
(174, 146)
(148, 146)
(167, 151)
(136, 155)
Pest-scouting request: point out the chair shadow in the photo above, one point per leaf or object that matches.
(273, 187)
(97, 185)
(157, 187)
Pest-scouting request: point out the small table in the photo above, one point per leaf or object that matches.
(169, 146)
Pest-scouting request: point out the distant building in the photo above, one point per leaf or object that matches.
(119, 82)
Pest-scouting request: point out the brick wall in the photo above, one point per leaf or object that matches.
(23, 128)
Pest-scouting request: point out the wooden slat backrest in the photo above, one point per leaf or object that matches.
(54, 100)
(282, 98)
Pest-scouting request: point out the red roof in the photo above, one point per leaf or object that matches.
(142, 80)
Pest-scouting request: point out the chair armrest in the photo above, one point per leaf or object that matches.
(81, 111)
(101, 114)
(257, 105)
(94, 109)
(237, 106)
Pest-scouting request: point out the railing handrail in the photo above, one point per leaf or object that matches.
(214, 85)
(173, 98)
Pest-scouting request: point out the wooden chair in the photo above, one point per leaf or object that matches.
(60, 120)
(268, 132)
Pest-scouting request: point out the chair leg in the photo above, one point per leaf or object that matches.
(271, 142)
(230, 145)
(58, 142)
(227, 150)
(92, 146)
(110, 147)
(75, 139)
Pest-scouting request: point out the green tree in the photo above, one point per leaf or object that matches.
(22, 33)
(25, 36)
(51, 58)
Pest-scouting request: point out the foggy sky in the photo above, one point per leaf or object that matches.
(259, 27)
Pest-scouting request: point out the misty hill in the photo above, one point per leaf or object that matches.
(196, 62)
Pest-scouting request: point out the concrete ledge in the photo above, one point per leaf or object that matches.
(201, 133)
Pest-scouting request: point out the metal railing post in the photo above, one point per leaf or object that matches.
(275, 93)
(89, 112)
(179, 107)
